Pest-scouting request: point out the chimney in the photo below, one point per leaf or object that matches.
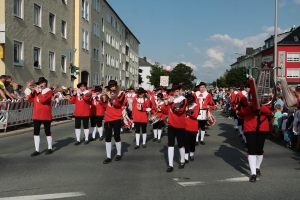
(145, 59)
(249, 50)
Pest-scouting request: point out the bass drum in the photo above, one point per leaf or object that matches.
(211, 120)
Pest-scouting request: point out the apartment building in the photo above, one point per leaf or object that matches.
(36, 37)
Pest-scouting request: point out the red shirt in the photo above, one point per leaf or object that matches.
(42, 109)
(114, 107)
(176, 113)
(140, 115)
(99, 106)
(82, 105)
(191, 122)
(159, 105)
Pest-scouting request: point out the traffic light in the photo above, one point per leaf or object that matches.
(74, 71)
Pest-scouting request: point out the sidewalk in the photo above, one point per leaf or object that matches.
(11, 131)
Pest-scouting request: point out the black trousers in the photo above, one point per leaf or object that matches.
(178, 133)
(37, 127)
(201, 124)
(158, 125)
(138, 126)
(85, 121)
(255, 142)
(109, 127)
(190, 141)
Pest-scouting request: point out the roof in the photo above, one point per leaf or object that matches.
(144, 62)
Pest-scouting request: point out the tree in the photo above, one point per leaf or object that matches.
(155, 73)
(235, 76)
(183, 73)
(140, 81)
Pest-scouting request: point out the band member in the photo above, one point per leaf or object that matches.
(130, 96)
(233, 107)
(99, 101)
(158, 108)
(82, 111)
(206, 104)
(256, 127)
(113, 118)
(191, 127)
(140, 109)
(42, 113)
(176, 124)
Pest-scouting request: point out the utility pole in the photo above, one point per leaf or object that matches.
(275, 43)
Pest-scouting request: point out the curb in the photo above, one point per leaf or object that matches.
(26, 130)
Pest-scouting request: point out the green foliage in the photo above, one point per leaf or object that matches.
(156, 71)
(232, 77)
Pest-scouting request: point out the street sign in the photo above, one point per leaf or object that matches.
(164, 81)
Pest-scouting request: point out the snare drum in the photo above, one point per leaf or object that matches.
(202, 115)
(153, 119)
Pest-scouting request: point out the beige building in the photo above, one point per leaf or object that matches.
(36, 37)
(42, 38)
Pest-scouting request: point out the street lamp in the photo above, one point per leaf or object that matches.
(250, 71)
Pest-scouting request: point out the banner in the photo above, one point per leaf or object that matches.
(164, 81)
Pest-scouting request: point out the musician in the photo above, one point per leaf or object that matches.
(176, 124)
(42, 113)
(140, 109)
(130, 96)
(112, 123)
(158, 108)
(191, 127)
(99, 101)
(241, 94)
(82, 111)
(206, 104)
(233, 106)
(256, 127)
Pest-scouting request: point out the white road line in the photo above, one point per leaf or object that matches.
(238, 179)
(47, 196)
(195, 183)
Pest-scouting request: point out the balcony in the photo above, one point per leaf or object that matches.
(127, 74)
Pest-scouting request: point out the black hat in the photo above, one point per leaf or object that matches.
(131, 88)
(190, 98)
(158, 88)
(160, 95)
(81, 84)
(201, 83)
(41, 80)
(97, 89)
(247, 85)
(176, 86)
(112, 83)
(141, 91)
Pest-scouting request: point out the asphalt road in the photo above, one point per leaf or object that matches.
(220, 169)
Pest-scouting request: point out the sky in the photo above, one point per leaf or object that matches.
(203, 34)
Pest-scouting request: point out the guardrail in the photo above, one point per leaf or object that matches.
(17, 113)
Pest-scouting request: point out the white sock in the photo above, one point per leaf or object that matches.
(155, 133)
(137, 139)
(186, 156)
(118, 146)
(144, 138)
(100, 130)
(37, 143)
(182, 152)
(235, 123)
(259, 160)
(77, 133)
(159, 134)
(132, 125)
(121, 130)
(49, 140)
(242, 133)
(108, 149)
(94, 130)
(171, 155)
(202, 135)
(252, 163)
(192, 154)
(197, 137)
(86, 134)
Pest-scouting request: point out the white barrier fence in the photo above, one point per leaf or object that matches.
(16, 113)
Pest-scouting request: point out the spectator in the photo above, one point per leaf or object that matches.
(3, 89)
(9, 81)
(29, 87)
(18, 91)
(277, 121)
(289, 128)
(279, 101)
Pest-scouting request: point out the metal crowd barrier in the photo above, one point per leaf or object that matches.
(17, 113)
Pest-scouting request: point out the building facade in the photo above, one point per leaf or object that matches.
(145, 66)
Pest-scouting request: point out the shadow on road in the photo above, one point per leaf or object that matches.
(176, 159)
(62, 143)
(124, 149)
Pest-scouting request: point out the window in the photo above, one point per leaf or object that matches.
(51, 61)
(102, 26)
(51, 23)
(63, 29)
(37, 57)
(97, 5)
(96, 54)
(63, 64)
(96, 29)
(96, 79)
(102, 44)
(65, 2)
(293, 73)
(112, 21)
(85, 39)
(18, 8)
(83, 8)
(296, 38)
(87, 11)
(37, 15)
(293, 57)
(18, 53)
(108, 16)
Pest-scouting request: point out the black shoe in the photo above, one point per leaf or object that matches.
(236, 129)
(118, 158)
(101, 138)
(181, 166)
(107, 160)
(243, 141)
(49, 151)
(35, 154)
(92, 139)
(154, 140)
(77, 143)
(240, 135)
(201, 142)
(192, 158)
(197, 143)
(169, 169)
(144, 146)
(159, 140)
(122, 132)
(258, 172)
(86, 142)
(136, 147)
(253, 178)
(187, 161)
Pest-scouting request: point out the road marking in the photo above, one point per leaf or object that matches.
(195, 183)
(47, 196)
(238, 179)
